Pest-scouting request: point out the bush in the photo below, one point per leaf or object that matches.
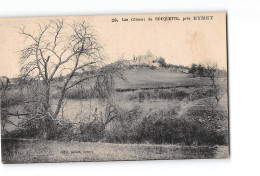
(180, 95)
(33, 129)
(177, 130)
(123, 128)
(79, 94)
(202, 93)
(91, 132)
(28, 130)
(152, 67)
(11, 98)
(159, 94)
(162, 62)
(132, 126)
(164, 128)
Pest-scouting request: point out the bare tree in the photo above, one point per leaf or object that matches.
(4, 81)
(213, 74)
(58, 49)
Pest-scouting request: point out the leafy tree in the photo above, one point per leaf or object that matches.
(193, 69)
(162, 62)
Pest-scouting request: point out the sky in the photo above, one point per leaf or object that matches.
(179, 42)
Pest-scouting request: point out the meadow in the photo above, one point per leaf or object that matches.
(158, 114)
(158, 78)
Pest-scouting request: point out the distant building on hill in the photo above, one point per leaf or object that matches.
(149, 60)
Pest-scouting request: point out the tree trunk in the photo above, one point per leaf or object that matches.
(47, 126)
(59, 104)
(47, 111)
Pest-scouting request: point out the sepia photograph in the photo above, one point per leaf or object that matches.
(114, 88)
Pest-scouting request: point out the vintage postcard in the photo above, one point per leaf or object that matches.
(114, 87)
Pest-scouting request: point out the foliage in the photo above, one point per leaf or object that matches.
(193, 69)
(91, 132)
(134, 126)
(164, 128)
(159, 94)
(162, 62)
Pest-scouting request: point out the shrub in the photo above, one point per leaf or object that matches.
(159, 94)
(152, 67)
(79, 94)
(162, 62)
(91, 132)
(177, 130)
(202, 93)
(11, 98)
(132, 126)
(141, 96)
(123, 128)
(180, 95)
(33, 129)
(164, 128)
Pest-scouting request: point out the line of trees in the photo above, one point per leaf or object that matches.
(208, 70)
(163, 64)
(212, 72)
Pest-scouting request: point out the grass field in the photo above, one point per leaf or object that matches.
(28, 151)
(149, 100)
(143, 78)
(147, 78)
